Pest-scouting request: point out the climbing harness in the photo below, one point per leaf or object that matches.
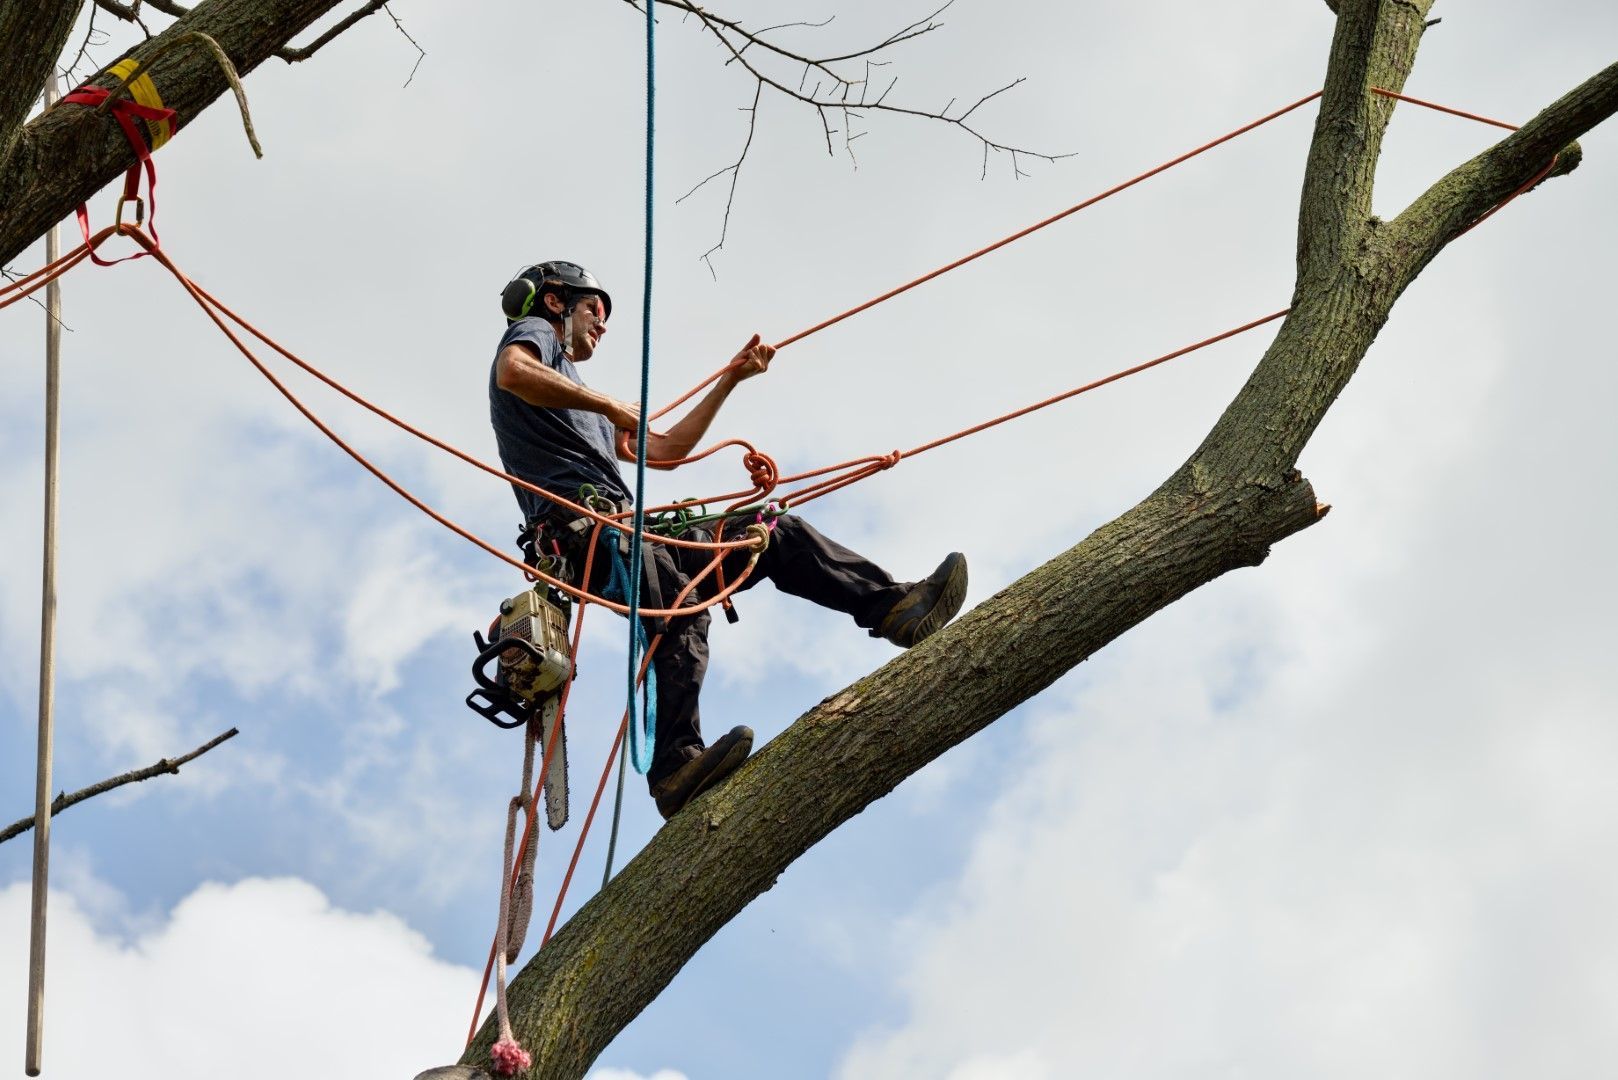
(527, 646)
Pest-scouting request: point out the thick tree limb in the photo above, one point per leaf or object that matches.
(1451, 205)
(67, 154)
(1374, 45)
(1238, 494)
(32, 36)
(160, 768)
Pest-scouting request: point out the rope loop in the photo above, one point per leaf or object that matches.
(761, 470)
(759, 533)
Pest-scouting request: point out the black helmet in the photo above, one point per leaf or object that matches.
(519, 295)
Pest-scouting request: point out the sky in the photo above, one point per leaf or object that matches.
(1346, 813)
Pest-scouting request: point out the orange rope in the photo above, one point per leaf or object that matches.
(1075, 208)
(762, 470)
(539, 785)
(861, 468)
(196, 293)
(1443, 108)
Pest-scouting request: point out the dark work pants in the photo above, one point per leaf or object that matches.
(799, 561)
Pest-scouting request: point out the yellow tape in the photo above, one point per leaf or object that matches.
(144, 91)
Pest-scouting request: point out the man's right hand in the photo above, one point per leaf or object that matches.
(624, 415)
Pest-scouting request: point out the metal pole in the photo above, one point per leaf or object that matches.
(47, 653)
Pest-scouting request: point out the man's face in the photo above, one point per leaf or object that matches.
(588, 325)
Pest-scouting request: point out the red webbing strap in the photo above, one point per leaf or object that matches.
(125, 112)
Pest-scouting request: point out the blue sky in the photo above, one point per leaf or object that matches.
(1340, 814)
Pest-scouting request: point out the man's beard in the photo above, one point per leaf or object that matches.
(576, 339)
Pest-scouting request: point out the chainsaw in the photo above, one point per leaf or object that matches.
(527, 648)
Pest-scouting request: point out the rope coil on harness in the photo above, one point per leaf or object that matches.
(643, 736)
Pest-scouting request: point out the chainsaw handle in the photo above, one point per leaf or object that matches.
(497, 700)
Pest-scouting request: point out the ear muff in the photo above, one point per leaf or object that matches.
(517, 299)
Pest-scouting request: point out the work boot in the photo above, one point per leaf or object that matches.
(928, 605)
(703, 771)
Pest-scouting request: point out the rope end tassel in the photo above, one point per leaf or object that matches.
(509, 1058)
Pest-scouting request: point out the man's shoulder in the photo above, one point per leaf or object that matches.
(537, 334)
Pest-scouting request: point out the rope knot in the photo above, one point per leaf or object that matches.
(761, 470)
(888, 461)
(759, 535)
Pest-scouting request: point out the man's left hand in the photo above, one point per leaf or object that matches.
(753, 359)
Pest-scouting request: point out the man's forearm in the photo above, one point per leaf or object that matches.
(538, 385)
(682, 438)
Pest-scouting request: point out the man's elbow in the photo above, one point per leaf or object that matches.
(661, 454)
(503, 371)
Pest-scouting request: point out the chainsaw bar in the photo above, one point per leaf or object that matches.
(556, 773)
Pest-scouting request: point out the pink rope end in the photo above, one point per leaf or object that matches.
(509, 1058)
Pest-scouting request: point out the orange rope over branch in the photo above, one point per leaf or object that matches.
(135, 233)
(763, 475)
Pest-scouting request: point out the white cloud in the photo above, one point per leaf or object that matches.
(626, 1074)
(402, 599)
(1340, 816)
(264, 975)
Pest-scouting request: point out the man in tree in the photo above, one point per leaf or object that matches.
(559, 435)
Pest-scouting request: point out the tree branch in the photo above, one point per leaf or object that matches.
(1454, 203)
(1374, 45)
(63, 801)
(32, 36)
(68, 153)
(1238, 494)
(834, 91)
(131, 13)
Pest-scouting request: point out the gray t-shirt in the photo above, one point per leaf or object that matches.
(556, 449)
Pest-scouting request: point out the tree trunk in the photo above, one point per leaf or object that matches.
(68, 154)
(32, 36)
(1238, 494)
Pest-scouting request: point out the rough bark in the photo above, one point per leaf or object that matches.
(32, 36)
(1238, 494)
(69, 153)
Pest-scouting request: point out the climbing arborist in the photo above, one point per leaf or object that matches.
(558, 434)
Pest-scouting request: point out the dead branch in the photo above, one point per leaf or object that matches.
(734, 171)
(166, 765)
(92, 37)
(836, 89)
(131, 13)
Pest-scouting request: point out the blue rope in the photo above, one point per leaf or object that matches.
(636, 632)
(641, 744)
(635, 571)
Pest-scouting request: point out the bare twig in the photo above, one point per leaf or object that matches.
(11, 275)
(421, 53)
(70, 73)
(166, 765)
(835, 88)
(734, 171)
(131, 13)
